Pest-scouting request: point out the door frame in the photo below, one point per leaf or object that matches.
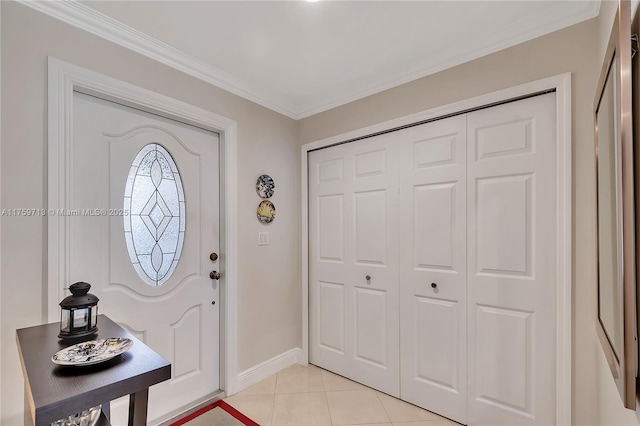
(561, 84)
(64, 79)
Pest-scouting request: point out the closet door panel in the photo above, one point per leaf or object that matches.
(328, 257)
(436, 320)
(330, 227)
(370, 216)
(432, 233)
(433, 220)
(504, 377)
(511, 204)
(503, 223)
(374, 321)
(330, 315)
(353, 261)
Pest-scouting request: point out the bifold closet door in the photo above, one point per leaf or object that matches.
(432, 263)
(433, 279)
(511, 270)
(353, 261)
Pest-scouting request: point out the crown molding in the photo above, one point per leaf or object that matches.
(85, 18)
(507, 36)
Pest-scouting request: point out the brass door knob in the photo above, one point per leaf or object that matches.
(214, 275)
(213, 256)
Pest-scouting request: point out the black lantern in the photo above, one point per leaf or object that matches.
(79, 312)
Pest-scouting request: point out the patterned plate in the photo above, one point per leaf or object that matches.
(92, 351)
(265, 186)
(266, 211)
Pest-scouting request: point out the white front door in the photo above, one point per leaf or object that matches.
(154, 282)
(433, 279)
(511, 268)
(353, 266)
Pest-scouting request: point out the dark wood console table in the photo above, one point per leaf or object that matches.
(53, 392)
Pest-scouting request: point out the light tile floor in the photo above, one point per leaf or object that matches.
(308, 395)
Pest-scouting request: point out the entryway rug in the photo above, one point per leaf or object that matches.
(217, 414)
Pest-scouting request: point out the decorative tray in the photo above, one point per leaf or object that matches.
(92, 351)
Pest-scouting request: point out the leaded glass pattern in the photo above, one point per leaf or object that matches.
(154, 229)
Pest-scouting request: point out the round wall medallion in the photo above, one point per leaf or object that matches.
(265, 186)
(266, 211)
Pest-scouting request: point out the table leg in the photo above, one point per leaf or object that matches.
(106, 409)
(28, 421)
(138, 408)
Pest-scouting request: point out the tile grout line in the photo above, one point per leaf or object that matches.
(273, 404)
(383, 407)
(326, 400)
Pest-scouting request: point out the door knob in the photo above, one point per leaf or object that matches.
(214, 275)
(368, 277)
(213, 256)
(434, 285)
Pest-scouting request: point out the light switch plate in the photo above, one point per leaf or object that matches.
(263, 238)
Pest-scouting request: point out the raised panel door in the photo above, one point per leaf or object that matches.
(432, 246)
(165, 297)
(511, 276)
(353, 266)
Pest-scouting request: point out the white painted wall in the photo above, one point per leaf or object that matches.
(269, 289)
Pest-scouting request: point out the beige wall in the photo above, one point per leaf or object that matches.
(269, 289)
(570, 50)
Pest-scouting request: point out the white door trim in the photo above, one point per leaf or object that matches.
(63, 80)
(562, 85)
(1, 318)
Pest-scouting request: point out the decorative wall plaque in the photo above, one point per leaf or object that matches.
(265, 186)
(266, 211)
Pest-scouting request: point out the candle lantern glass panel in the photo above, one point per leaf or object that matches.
(94, 316)
(65, 320)
(80, 318)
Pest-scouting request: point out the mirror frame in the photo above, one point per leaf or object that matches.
(618, 60)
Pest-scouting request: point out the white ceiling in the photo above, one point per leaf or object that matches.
(300, 58)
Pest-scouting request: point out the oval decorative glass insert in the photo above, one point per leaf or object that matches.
(154, 229)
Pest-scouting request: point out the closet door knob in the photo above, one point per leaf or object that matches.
(434, 285)
(368, 277)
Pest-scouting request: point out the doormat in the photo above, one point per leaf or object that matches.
(218, 413)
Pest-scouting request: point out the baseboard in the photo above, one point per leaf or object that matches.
(178, 414)
(259, 372)
(248, 377)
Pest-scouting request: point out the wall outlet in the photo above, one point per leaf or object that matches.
(263, 238)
